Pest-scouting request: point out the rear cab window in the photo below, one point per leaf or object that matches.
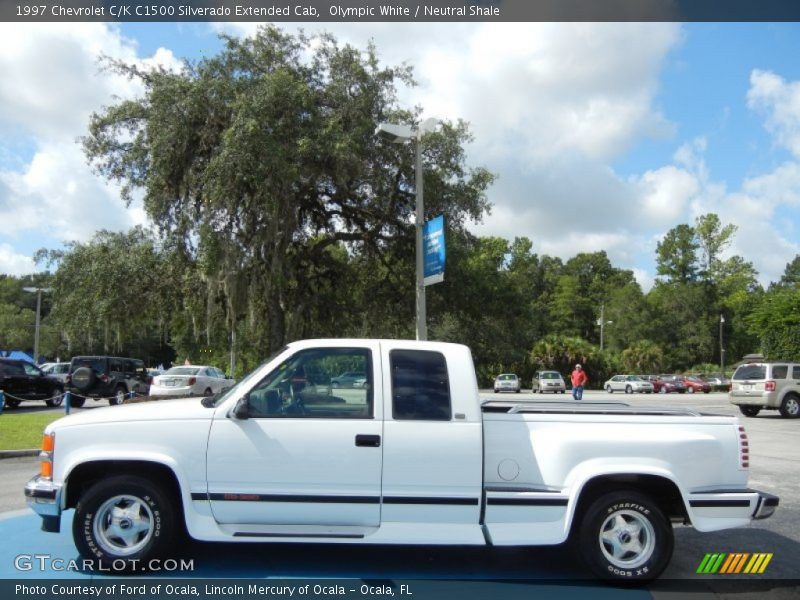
(420, 386)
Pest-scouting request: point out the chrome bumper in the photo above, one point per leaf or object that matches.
(44, 498)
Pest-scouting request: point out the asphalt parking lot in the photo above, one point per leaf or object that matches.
(775, 467)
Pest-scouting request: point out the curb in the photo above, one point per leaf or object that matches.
(18, 453)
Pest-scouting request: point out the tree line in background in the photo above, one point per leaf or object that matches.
(279, 215)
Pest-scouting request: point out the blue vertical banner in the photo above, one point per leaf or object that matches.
(434, 249)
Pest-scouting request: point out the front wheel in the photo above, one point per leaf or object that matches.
(750, 411)
(56, 400)
(628, 389)
(624, 536)
(609, 389)
(118, 397)
(124, 521)
(663, 390)
(690, 390)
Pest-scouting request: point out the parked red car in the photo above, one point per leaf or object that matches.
(668, 386)
(695, 384)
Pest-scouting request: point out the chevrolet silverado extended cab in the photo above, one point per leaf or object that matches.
(409, 456)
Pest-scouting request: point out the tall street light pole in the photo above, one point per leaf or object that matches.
(38, 291)
(399, 134)
(721, 347)
(602, 322)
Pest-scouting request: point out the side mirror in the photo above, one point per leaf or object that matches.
(242, 410)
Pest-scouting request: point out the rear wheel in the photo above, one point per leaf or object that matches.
(628, 389)
(208, 392)
(790, 407)
(12, 403)
(662, 390)
(750, 411)
(624, 536)
(77, 402)
(690, 390)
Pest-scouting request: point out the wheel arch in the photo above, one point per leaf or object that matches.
(661, 489)
(86, 474)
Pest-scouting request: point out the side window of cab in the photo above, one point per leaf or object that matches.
(306, 386)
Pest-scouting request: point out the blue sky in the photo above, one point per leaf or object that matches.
(603, 136)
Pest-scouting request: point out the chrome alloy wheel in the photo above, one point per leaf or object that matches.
(627, 539)
(123, 525)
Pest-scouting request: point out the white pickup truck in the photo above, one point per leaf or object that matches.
(406, 455)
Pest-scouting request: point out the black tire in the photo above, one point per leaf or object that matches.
(83, 378)
(120, 393)
(662, 390)
(628, 389)
(57, 399)
(790, 407)
(750, 411)
(12, 403)
(625, 537)
(77, 402)
(98, 534)
(690, 390)
(609, 389)
(207, 393)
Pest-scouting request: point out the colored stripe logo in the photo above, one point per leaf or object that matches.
(735, 562)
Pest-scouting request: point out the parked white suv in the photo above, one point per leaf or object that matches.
(770, 386)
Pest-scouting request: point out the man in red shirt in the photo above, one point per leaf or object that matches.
(579, 380)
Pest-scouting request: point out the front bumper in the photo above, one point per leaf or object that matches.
(44, 498)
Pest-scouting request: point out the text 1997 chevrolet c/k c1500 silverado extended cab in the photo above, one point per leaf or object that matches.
(409, 456)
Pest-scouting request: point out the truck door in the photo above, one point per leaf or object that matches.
(309, 454)
(433, 469)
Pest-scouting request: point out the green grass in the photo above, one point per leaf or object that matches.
(22, 431)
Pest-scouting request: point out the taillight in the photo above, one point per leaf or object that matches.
(46, 455)
(192, 380)
(744, 449)
(104, 378)
(769, 386)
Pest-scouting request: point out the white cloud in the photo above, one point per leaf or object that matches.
(779, 101)
(666, 193)
(59, 196)
(52, 82)
(15, 264)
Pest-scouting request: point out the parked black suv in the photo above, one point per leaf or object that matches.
(20, 380)
(106, 377)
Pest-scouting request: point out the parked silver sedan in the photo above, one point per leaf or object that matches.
(507, 382)
(629, 384)
(190, 380)
(548, 381)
